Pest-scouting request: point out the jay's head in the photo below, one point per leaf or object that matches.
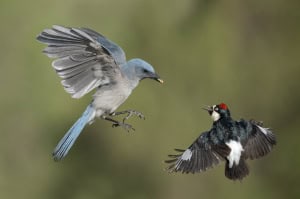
(142, 70)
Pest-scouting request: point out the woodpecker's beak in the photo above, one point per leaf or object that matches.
(209, 109)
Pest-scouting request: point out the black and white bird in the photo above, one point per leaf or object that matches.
(229, 140)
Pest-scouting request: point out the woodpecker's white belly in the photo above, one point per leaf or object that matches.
(235, 153)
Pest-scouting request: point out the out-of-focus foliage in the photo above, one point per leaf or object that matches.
(243, 53)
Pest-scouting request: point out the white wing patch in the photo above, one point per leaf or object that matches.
(235, 153)
(187, 155)
(264, 130)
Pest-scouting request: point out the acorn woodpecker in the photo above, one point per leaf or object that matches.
(229, 140)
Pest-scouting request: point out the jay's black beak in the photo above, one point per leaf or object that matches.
(157, 78)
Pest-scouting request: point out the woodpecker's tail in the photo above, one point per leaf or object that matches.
(236, 172)
(65, 144)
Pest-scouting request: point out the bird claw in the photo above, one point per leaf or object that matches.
(127, 127)
(133, 112)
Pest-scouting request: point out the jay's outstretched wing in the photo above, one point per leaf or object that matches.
(84, 58)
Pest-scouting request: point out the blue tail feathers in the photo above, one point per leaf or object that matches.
(65, 144)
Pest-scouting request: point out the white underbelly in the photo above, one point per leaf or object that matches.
(108, 101)
(236, 150)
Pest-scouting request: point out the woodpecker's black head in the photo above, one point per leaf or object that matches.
(218, 111)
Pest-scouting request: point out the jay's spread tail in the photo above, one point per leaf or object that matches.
(65, 144)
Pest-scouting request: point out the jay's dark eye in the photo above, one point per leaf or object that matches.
(145, 71)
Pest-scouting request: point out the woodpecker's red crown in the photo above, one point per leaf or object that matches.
(223, 106)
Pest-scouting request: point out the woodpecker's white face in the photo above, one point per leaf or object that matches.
(215, 116)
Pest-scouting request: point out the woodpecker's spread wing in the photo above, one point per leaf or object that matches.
(201, 155)
(84, 59)
(260, 141)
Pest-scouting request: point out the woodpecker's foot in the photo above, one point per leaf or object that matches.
(127, 127)
(129, 114)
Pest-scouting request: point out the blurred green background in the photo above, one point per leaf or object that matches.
(243, 53)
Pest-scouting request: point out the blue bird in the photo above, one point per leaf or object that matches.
(86, 60)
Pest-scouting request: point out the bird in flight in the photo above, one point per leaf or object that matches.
(86, 60)
(228, 140)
